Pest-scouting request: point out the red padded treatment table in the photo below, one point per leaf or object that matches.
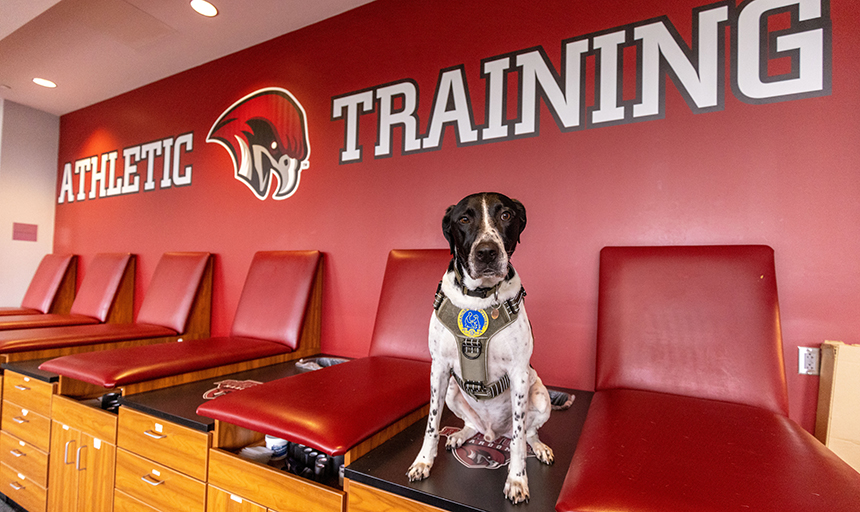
(340, 408)
(269, 321)
(52, 288)
(101, 293)
(690, 410)
(177, 291)
(332, 409)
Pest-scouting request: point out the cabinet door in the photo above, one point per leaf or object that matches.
(96, 470)
(62, 473)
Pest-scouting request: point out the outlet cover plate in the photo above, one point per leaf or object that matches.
(808, 360)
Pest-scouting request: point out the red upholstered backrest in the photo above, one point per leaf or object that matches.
(406, 303)
(100, 284)
(275, 296)
(43, 287)
(696, 321)
(172, 289)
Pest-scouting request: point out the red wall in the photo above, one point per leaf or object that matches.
(783, 173)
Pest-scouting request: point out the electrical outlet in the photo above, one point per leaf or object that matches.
(808, 360)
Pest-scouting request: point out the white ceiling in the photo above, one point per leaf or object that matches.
(96, 49)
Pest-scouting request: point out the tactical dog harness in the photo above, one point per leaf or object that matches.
(473, 330)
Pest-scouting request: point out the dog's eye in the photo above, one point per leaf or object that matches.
(506, 216)
(464, 220)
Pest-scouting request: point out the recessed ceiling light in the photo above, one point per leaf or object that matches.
(205, 8)
(44, 83)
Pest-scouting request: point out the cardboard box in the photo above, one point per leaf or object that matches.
(837, 422)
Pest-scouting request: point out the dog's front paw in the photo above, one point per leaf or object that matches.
(457, 439)
(543, 453)
(517, 489)
(418, 471)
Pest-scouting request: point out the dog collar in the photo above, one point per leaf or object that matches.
(482, 293)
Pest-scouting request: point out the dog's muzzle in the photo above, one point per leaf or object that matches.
(488, 259)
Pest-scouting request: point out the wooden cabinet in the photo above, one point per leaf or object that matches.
(181, 448)
(363, 498)
(269, 487)
(25, 439)
(29, 392)
(83, 458)
(122, 502)
(222, 501)
(157, 485)
(27, 458)
(160, 464)
(22, 489)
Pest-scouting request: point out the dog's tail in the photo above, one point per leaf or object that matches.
(560, 400)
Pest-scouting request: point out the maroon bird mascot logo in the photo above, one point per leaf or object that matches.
(266, 135)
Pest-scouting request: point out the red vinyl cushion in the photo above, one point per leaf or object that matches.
(275, 296)
(697, 321)
(336, 408)
(46, 281)
(113, 368)
(172, 289)
(17, 322)
(642, 451)
(76, 335)
(332, 409)
(100, 285)
(406, 303)
(13, 311)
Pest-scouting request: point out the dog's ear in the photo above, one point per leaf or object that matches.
(521, 214)
(446, 227)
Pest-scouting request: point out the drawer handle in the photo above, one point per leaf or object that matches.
(21, 388)
(150, 480)
(66, 455)
(19, 420)
(153, 435)
(16, 486)
(18, 453)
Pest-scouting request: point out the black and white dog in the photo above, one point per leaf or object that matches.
(481, 341)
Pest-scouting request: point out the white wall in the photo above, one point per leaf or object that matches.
(29, 142)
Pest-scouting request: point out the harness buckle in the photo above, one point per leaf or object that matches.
(475, 388)
(471, 348)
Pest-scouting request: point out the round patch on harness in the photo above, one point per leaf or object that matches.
(472, 322)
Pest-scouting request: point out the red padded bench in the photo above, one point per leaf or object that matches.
(690, 410)
(106, 295)
(52, 289)
(277, 319)
(177, 304)
(349, 408)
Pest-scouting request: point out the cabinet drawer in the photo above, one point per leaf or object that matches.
(363, 498)
(24, 458)
(22, 490)
(270, 487)
(122, 502)
(157, 485)
(223, 501)
(175, 446)
(26, 425)
(89, 420)
(28, 392)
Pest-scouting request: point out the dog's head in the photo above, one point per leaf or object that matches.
(483, 230)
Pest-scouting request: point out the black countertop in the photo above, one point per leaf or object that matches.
(452, 486)
(31, 369)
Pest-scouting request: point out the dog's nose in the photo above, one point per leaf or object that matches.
(486, 253)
